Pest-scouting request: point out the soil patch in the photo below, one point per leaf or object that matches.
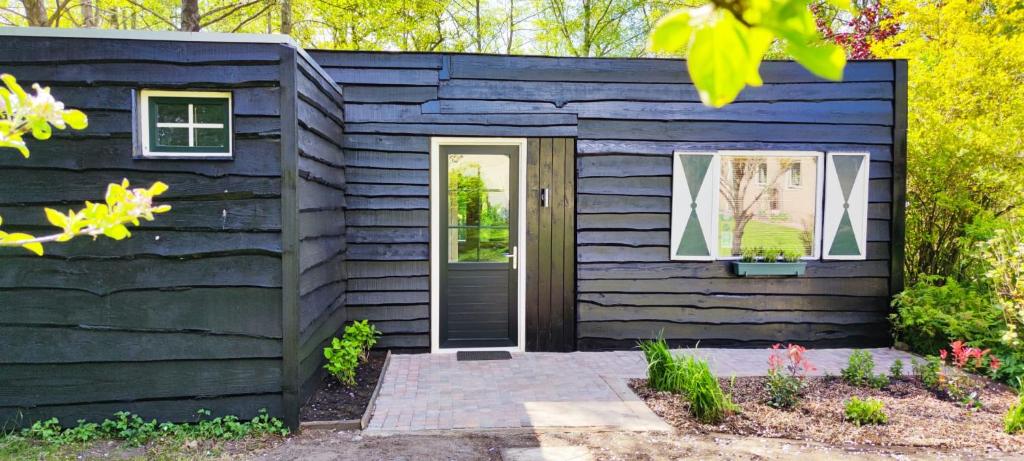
(917, 417)
(335, 401)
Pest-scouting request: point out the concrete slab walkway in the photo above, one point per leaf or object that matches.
(579, 389)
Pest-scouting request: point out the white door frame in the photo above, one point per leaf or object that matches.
(435, 239)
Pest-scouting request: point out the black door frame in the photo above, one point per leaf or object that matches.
(438, 180)
(510, 264)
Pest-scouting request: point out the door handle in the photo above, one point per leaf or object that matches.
(515, 257)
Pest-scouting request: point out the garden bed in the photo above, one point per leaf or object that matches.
(336, 403)
(917, 417)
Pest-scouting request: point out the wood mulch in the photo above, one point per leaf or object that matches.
(917, 417)
(335, 401)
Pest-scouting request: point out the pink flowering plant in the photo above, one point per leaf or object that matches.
(956, 380)
(787, 372)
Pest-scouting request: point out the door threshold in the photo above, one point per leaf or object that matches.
(453, 350)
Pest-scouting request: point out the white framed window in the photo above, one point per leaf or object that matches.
(795, 175)
(725, 202)
(184, 124)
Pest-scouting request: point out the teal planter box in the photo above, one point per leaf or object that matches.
(743, 269)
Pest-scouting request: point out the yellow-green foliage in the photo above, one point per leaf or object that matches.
(864, 412)
(21, 114)
(724, 43)
(1013, 422)
(966, 116)
(1005, 255)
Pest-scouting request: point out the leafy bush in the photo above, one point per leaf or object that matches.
(938, 310)
(364, 334)
(342, 359)
(928, 371)
(344, 355)
(864, 412)
(786, 381)
(135, 431)
(659, 361)
(1004, 254)
(860, 371)
(896, 369)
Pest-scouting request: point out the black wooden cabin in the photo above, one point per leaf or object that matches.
(454, 200)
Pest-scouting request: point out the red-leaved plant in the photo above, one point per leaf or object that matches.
(958, 384)
(787, 369)
(971, 358)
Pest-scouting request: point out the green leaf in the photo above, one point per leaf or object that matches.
(117, 232)
(56, 218)
(719, 59)
(75, 119)
(825, 61)
(41, 130)
(672, 33)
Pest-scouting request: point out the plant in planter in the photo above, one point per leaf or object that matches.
(779, 262)
(344, 355)
(786, 380)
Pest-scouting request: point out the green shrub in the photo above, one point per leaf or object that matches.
(135, 431)
(928, 371)
(896, 369)
(694, 380)
(344, 355)
(783, 390)
(860, 371)
(937, 311)
(342, 359)
(659, 361)
(364, 334)
(864, 412)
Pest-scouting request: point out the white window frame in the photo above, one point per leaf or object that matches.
(819, 196)
(789, 178)
(143, 124)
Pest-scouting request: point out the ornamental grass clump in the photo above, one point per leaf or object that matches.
(867, 411)
(694, 380)
(787, 369)
(1013, 422)
(689, 377)
(659, 361)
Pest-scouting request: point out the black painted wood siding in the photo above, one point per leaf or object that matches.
(628, 117)
(187, 313)
(321, 216)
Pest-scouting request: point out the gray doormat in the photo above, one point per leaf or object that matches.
(466, 356)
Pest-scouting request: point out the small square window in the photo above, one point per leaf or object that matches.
(184, 124)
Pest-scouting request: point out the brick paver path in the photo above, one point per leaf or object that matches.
(434, 391)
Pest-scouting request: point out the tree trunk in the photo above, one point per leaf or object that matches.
(286, 17)
(478, 33)
(35, 13)
(88, 13)
(737, 234)
(189, 16)
(511, 25)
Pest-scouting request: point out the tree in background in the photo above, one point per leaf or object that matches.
(588, 28)
(965, 151)
(856, 31)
